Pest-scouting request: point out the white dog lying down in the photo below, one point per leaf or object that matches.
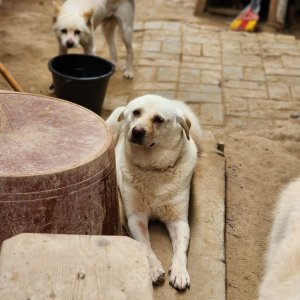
(76, 20)
(155, 155)
(282, 277)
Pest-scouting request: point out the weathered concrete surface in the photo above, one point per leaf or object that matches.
(206, 262)
(45, 266)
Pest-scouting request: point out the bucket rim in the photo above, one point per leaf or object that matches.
(52, 70)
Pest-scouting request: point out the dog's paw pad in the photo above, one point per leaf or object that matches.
(157, 271)
(179, 278)
(128, 74)
(158, 275)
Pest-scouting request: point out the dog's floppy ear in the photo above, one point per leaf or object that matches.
(57, 8)
(121, 116)
(87, 15)
(185, 124)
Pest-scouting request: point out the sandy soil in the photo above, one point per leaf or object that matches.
(259, 162)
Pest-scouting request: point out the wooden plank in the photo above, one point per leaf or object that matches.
(45, 266)
(272, 19)
(200, 7)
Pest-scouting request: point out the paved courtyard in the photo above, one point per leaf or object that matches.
(229, 78)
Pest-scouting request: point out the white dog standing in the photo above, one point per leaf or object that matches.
(156, 155)
(282, 276)
(76, 20)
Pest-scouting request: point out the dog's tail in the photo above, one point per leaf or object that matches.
(114, 124)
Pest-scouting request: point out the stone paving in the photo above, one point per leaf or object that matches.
(229, 78)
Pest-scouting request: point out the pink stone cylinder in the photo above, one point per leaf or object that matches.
(57, 168)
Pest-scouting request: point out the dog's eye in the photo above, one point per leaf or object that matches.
(136, 112)
(64, 30)
(158, 119)
(77, 32)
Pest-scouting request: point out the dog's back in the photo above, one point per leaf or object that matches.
(282, 277)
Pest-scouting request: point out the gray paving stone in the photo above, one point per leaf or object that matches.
(260, 123)
(282, 71)
(238, 36)
(243, 84)
(167, 74)
(255, 74)
(279, 49)
(211, 50)
(291, 61)
(237, 122)
(250, 48)
(194, 97)
(160, 86)
(216, 61)
(279, 90)
(271, 109)
(189, 75)
(230, 72)
(236, 106)
(231, 46)
(272, 61)
(212, 114)
(154, 46)
(211, 77)
(246, 93)
(200, 88)
(173, 26)
(148, 61)
(243, 60)
(266, 37)
(202, 40)
(145, 74)
(295, 91)
(171, 47)
(192, 49)
(167, 94)
(285, 38)
(292, 80)
(153, 25)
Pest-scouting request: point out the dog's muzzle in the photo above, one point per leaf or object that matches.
(137, 135)
(70, 44)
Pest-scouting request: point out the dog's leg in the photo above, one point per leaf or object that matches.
(89, 47)
(108, 28)
(125, 17)
(179, 232)
(138, 226)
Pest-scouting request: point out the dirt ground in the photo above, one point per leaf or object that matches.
(259, 161)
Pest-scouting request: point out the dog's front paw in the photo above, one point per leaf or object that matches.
(157, 271)
(128, 74)
(179, 277)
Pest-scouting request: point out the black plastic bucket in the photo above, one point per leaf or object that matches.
(81, 79)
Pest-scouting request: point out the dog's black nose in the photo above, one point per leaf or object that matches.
(70, 43)
(137, 134)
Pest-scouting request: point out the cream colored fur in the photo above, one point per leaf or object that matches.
(154, 174)
(282, 275)
(76, 20)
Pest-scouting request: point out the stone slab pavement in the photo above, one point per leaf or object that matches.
(229, 78)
